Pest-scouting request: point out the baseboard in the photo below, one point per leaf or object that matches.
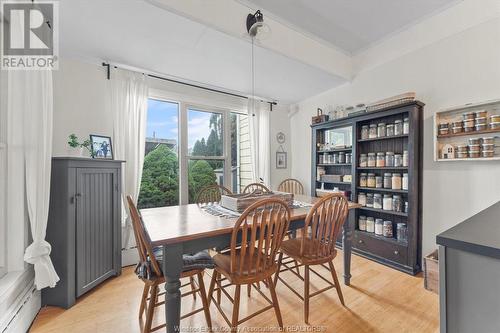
(130, 257)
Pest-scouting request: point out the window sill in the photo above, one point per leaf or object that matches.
(11, 286)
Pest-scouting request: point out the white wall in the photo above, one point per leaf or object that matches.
(279, 122)
(463, 67)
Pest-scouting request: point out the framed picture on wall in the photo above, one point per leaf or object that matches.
(101, 146)
(280, 160)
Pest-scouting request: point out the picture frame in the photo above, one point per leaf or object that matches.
(101, 147)
(281, 160)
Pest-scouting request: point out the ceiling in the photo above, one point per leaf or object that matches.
(141, 35)
(351, 25)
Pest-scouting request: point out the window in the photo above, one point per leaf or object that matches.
(241, 163)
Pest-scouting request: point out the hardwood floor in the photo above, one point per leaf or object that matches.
(379, 299)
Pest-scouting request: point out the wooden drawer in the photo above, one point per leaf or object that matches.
(381, 248)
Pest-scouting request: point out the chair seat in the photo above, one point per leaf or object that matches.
(223, 265)
(291, 247)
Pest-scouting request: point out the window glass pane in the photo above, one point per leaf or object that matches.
(160, 175)
(241, 163)
(202, 173)
(205, 133)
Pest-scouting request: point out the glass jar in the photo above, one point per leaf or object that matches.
(405, 182)
(398, 127)
(406, 207)
(388, 180)
(389, 130)
(387, 229)
(397, 203)
(387, 204)
(381, 130)
(396, 181)
(363, 179)
(401, 232)
(379, 227)
(372, 133)
(369, 200)
(389, 159)
(335, 159)
(363, 160)
(372, 159)
(370, 180)
(379, 182)
(370, 224)
(362, 199)
(377, 201)
(364, 132)
(380, 160)
(405, 158)
(362, 223)
(398, 160)
(348, 158)
(321, 159)
(342, 158)
(406, 126)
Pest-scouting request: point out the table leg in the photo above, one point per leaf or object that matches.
(347, 248)
(172, 271)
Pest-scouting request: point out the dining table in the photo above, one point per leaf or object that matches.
(187, 229)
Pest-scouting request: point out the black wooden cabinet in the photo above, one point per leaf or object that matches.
(84, 226)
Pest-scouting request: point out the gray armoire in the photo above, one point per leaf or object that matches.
(84, 226)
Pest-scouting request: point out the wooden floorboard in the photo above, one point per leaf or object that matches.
(379, 299)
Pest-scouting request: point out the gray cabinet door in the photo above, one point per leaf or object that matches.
(96, 198)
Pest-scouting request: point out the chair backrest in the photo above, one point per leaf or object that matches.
(211, 194)
(323, 224)
(258, 234)
(255, 187)
(142, 239)
(291, 185)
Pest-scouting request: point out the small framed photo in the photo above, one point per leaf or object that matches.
(280, 160)
(101, 146)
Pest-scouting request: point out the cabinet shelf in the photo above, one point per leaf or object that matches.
(382, 238)
(390, 212)
(332, 182)
(382, 168)
(382, 190)
(454, 135)
(384, 138)
(334, 150)
(333, 164)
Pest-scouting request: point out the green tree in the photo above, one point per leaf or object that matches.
(201, 174)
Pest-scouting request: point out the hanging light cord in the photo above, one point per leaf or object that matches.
(253, 79)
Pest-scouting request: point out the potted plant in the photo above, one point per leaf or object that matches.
(76, 148)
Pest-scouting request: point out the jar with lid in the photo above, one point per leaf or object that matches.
(377, 201)
(389, 159)
(401, 232)
(380, 160)
(388, 180)
(387, 204)
(362, 199)
(389, 130)
(370, 224)
(406, 207)
(379, 227)
(348, 158)
(369, 200)
(397, 203)
(363, 160)
(363, 179)
(398, 127)
(379, 182)
(387, 229)
(335, 159)
(406, 126)
(398, 160)
(372, 159)
(364, 132)
(341, 157)
(321, 159)
(405, 158)
(396, 181)
(381, 130)
(362, 223)
(370, 180)
(372, 133)
(405, 182)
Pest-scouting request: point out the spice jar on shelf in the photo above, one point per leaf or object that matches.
(362, 199)
(377, 201)
(389, 130)
(363, 160)
(379, 182)
(397, 203)
(372, 133)
(379, 227)
(348, 158)
(405, 158)
(342, 158)
(369, 200)
(388, 180)
(372, 160)
(406, 207)
(398, 127)
(401, 232)
(405, 182)
(370, 180)
(362, 223)
(388, 229)
(380, 160)
(335, 159)
(389, 159)
(396, 181)
(398, 160)
(370, 224)
(381, 130)
(363, 178)
(387, 202)
(364, 132)
(406, 126)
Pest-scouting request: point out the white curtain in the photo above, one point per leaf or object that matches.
(258, 113)
(129, 103)
(30, 93)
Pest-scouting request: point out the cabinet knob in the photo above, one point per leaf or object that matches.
(396, 252)
(360, 241)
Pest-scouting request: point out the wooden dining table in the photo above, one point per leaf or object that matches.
(187, 229)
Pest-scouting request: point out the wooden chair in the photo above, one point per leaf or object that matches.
(211, 194)
(291, 185)
(256, 238)
(149, 271)
(250, 188)
(316, 246)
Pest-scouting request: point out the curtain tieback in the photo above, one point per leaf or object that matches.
(37, 254)
(36, 250)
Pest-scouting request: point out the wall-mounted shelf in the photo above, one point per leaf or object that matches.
(384, 138)
(473, 133)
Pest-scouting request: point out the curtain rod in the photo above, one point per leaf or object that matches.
(108, 76)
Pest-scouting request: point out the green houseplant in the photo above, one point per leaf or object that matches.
(74, 145)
